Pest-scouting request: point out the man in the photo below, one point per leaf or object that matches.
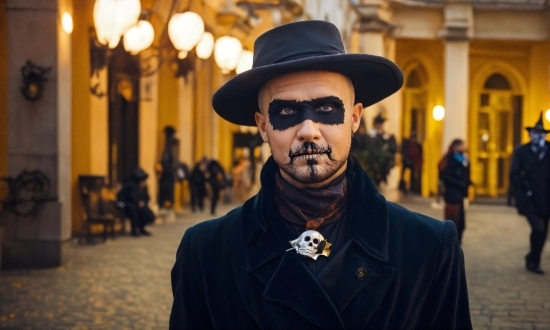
(197, 184)
(530, 175)
(317, 247)
(382, 147)
(215, 175)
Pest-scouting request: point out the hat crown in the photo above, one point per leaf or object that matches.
(297, 41)
(538, 126)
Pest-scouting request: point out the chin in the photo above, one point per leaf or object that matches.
(312, 174)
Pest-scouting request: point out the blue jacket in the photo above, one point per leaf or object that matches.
(397, 270)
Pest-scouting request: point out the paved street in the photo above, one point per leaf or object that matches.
(125, 283)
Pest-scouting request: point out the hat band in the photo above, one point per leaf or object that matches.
(299, 56)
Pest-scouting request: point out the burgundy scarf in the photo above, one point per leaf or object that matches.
(311, 207)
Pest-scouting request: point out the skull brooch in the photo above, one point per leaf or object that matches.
(311, 244)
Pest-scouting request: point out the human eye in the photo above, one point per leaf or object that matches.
(326, 107)
(287, 111)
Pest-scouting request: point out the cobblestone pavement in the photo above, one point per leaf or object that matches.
(125, 283)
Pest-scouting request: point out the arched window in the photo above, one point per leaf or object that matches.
(413, 80)
(497, 81)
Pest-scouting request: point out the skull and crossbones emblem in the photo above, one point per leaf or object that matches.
(311, 244)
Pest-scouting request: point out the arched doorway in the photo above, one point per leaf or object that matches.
(415, 103)
(498, 131)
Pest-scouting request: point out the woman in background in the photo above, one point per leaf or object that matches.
(454, 172)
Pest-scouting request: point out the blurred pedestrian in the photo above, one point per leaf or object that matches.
(411, 158)
(530, 175)
(454, 172)
(241, 179)
(168, 166)
(216, 179)
(382, 148)
(135, 198)
(197, 184)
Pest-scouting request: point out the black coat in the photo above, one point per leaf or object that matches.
(456, 179)
(233, 272)
(528, 172)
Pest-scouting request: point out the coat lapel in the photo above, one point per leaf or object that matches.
(354, 276)
(295, 286)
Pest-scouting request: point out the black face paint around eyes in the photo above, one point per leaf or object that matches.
(284, 114)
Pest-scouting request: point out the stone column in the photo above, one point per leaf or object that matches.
(456, 32)
(39, 135)
(455, 124)
(185, 117)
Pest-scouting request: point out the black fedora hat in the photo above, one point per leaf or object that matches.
(304, 46)
(538, 126)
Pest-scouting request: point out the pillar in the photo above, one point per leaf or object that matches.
(456, 33)
(39, 134)
(185, 117)
(455, 124)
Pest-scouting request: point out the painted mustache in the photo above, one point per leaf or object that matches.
(309, 151)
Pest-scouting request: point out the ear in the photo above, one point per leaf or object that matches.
(357, 110)
(261, 123)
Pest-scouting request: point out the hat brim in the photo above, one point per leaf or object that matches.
(375, 78)
(537, 128)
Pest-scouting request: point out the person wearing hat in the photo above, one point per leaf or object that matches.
(135, 198)
(530, 176)
(318, 246)
(384, 147)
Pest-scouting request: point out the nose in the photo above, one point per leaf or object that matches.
(308, 131)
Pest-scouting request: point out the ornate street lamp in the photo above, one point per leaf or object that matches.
(245, 63)
(113, 17)
(138, 37)
(206, 46)
(185, 31)
(227, 53)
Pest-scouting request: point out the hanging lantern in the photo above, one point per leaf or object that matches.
(205, 46)
(227, 53)
(113, 17)
(245, 63)
(138, 37)
(185, 31)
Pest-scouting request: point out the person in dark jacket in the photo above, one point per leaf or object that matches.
(216, 179)
(197, 184)
(168, 163)
(530, 176)
(135, 199)
(318, 246)
(454, 172)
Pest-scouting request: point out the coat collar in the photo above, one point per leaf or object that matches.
(359, 266)
(266, 239)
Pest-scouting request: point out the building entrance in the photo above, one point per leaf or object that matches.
(499, 118)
